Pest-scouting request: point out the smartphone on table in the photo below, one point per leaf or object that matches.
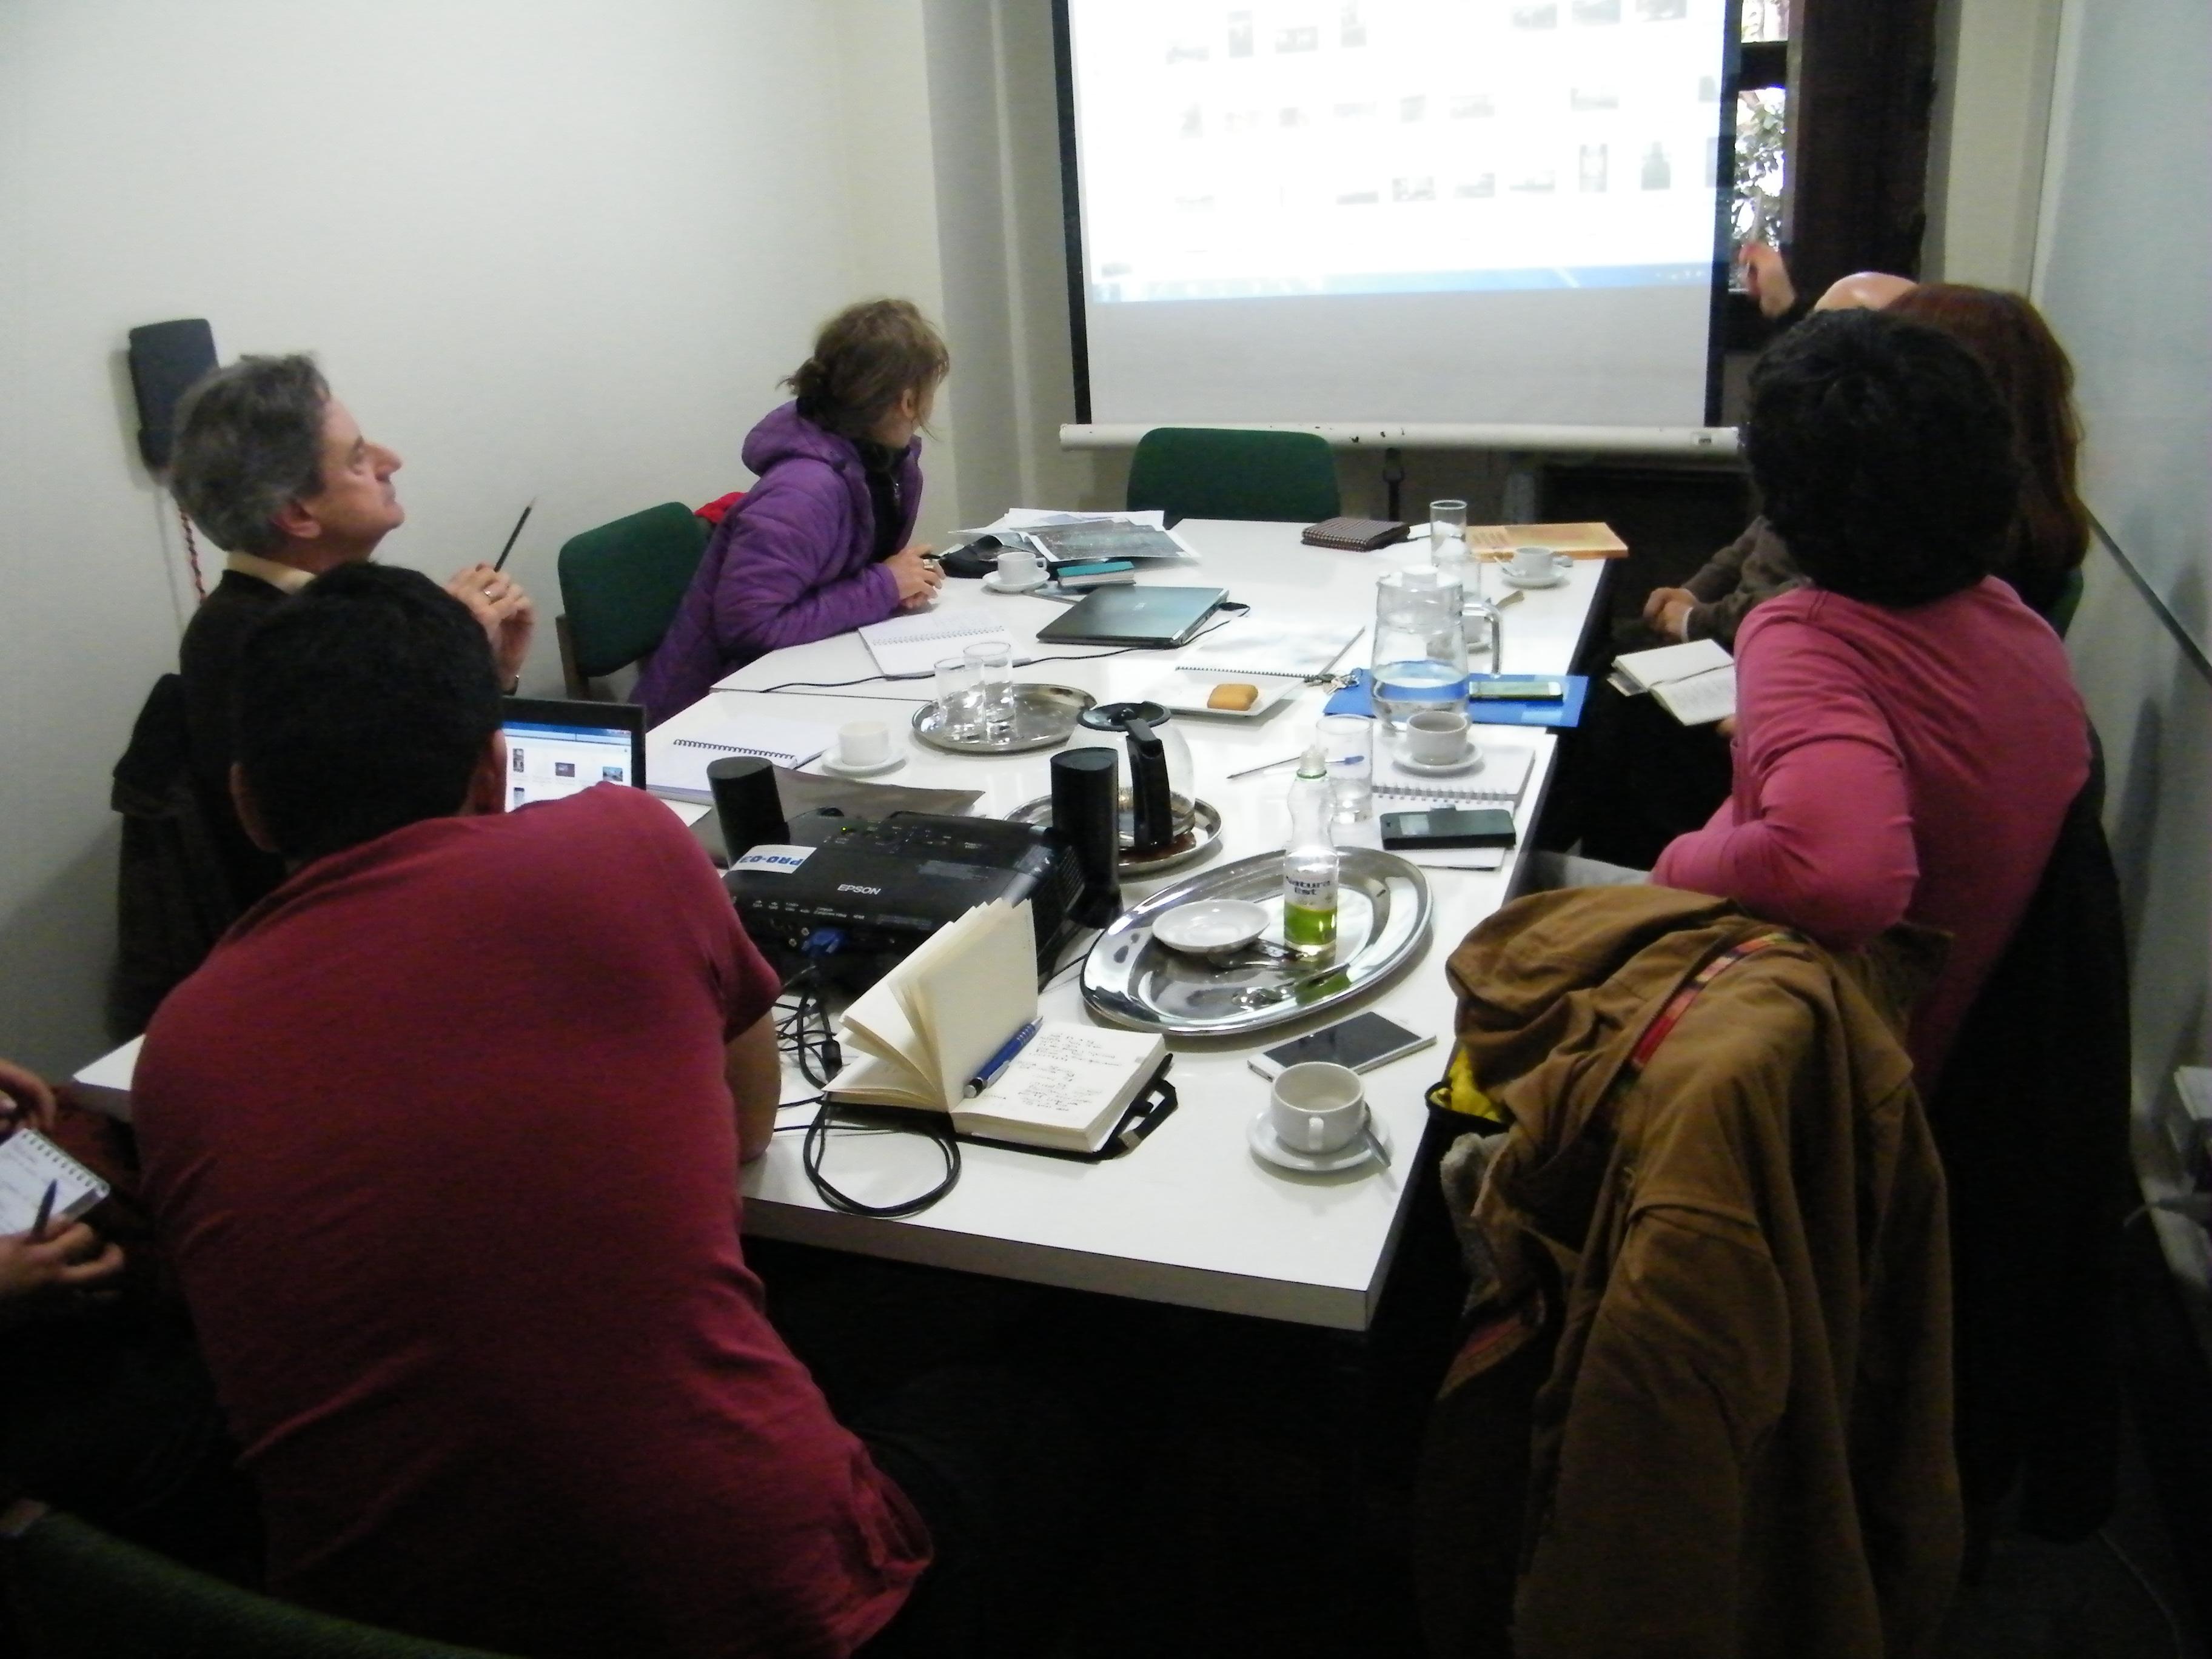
(1516, 688)
(1482, 826)
(1362, 1043)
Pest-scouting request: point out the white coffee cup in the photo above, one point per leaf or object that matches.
(1019, 567)
(1533, 564)
(1317, 1108)
(863, 743)
(1436, 736)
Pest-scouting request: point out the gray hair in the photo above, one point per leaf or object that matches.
(249, 439)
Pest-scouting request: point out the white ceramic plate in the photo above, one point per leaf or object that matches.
(1186, 694)
(1261, 1133)
(1210, 926)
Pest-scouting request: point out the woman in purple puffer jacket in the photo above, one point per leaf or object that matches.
(818, 544)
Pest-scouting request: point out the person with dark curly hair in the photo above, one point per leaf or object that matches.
(1908, 732)
(819, 544)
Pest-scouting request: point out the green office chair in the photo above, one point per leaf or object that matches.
(79, 1594)
(1200, 472)
(620, 586)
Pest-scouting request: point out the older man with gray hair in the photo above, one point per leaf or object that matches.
(279, 475)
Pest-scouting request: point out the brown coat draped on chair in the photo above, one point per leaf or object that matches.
(1719, 1330)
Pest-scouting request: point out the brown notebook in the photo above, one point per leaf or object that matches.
(1354, 535)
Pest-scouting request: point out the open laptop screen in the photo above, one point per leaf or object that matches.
(555, 748)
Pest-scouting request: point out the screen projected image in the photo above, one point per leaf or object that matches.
(545, 762)
(1438, 211)
(1393, 146)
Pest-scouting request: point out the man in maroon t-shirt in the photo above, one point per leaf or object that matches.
(443, 1140)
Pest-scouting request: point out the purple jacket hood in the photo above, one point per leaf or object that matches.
(794, 561)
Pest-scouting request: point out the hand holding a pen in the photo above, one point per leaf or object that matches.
(497, 600)
(75, 1258)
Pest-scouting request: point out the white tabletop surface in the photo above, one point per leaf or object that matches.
(1192, 1216)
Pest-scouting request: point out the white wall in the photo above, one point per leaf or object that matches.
(549, 248)
(1993, 72)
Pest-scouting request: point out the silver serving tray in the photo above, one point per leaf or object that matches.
(1132, 979)
(1044, 715)
(1194, 843)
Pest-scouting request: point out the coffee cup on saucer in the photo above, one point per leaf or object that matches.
(1533, 564)
(1317, 1108)
(1019, 567)
(1436, 736)
(864, 746)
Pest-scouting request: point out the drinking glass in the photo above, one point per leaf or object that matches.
(956, 695)
(993, 663)
(1348, 747)
(1446, 519)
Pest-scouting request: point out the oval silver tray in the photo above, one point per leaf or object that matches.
(1194, 843)
(1132, 979)
(1044, 715)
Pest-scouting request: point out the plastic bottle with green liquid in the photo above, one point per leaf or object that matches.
(1310, 861)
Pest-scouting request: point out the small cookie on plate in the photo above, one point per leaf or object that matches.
(1232, 694)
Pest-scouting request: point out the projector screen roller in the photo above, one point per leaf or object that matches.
(1408, 211)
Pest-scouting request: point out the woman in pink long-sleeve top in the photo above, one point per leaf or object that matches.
(1908, 733)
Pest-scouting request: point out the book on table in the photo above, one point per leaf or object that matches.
(1588, 540)
(927, 1030)
(1694, 681)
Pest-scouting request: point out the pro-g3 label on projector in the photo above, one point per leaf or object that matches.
(782, 859)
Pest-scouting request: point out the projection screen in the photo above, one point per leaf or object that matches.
(1405, 210)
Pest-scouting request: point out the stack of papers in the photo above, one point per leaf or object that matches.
(1139, 535)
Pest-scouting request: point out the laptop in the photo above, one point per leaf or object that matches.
(555, 748)
(1157, 617)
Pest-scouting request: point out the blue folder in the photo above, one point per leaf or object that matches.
(1357, 698)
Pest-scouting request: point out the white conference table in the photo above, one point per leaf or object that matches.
(1192, 1216)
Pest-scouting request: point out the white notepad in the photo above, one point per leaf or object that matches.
(676, 765)
(1699, 699)
(1254, 646)
(29, 1164)
(1497, 781)
(1644, 670)
(916, 644)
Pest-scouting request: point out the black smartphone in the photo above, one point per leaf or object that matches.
(1362, 1043)
(1484, 826)
(1519, 688)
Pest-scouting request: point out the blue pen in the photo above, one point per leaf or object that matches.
(999, 1062)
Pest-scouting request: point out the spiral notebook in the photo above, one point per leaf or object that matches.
(679, 754)
(1497, 781)
(915, 645)
(29, 1164)
(1249, 647)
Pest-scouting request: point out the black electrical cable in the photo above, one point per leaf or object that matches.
(818, 1136)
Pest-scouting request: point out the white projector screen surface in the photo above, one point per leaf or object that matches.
(1412, 210)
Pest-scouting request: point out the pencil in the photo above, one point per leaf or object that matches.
(513, 535)
(46, 1213)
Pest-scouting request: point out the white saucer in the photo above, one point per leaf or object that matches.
(830, 764)
(1349, 1156)
(991, 580)
(1555, 580)
(1466, 762)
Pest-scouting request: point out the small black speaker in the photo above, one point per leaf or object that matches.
(1086, 810)
(747, 804)
(165, 359)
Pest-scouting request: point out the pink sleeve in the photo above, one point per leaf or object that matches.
(1819, 835)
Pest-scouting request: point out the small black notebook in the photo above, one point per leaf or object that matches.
(1161, 617)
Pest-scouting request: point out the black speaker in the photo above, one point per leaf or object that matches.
(747, 804)
(1086, 810)
(165, 359)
